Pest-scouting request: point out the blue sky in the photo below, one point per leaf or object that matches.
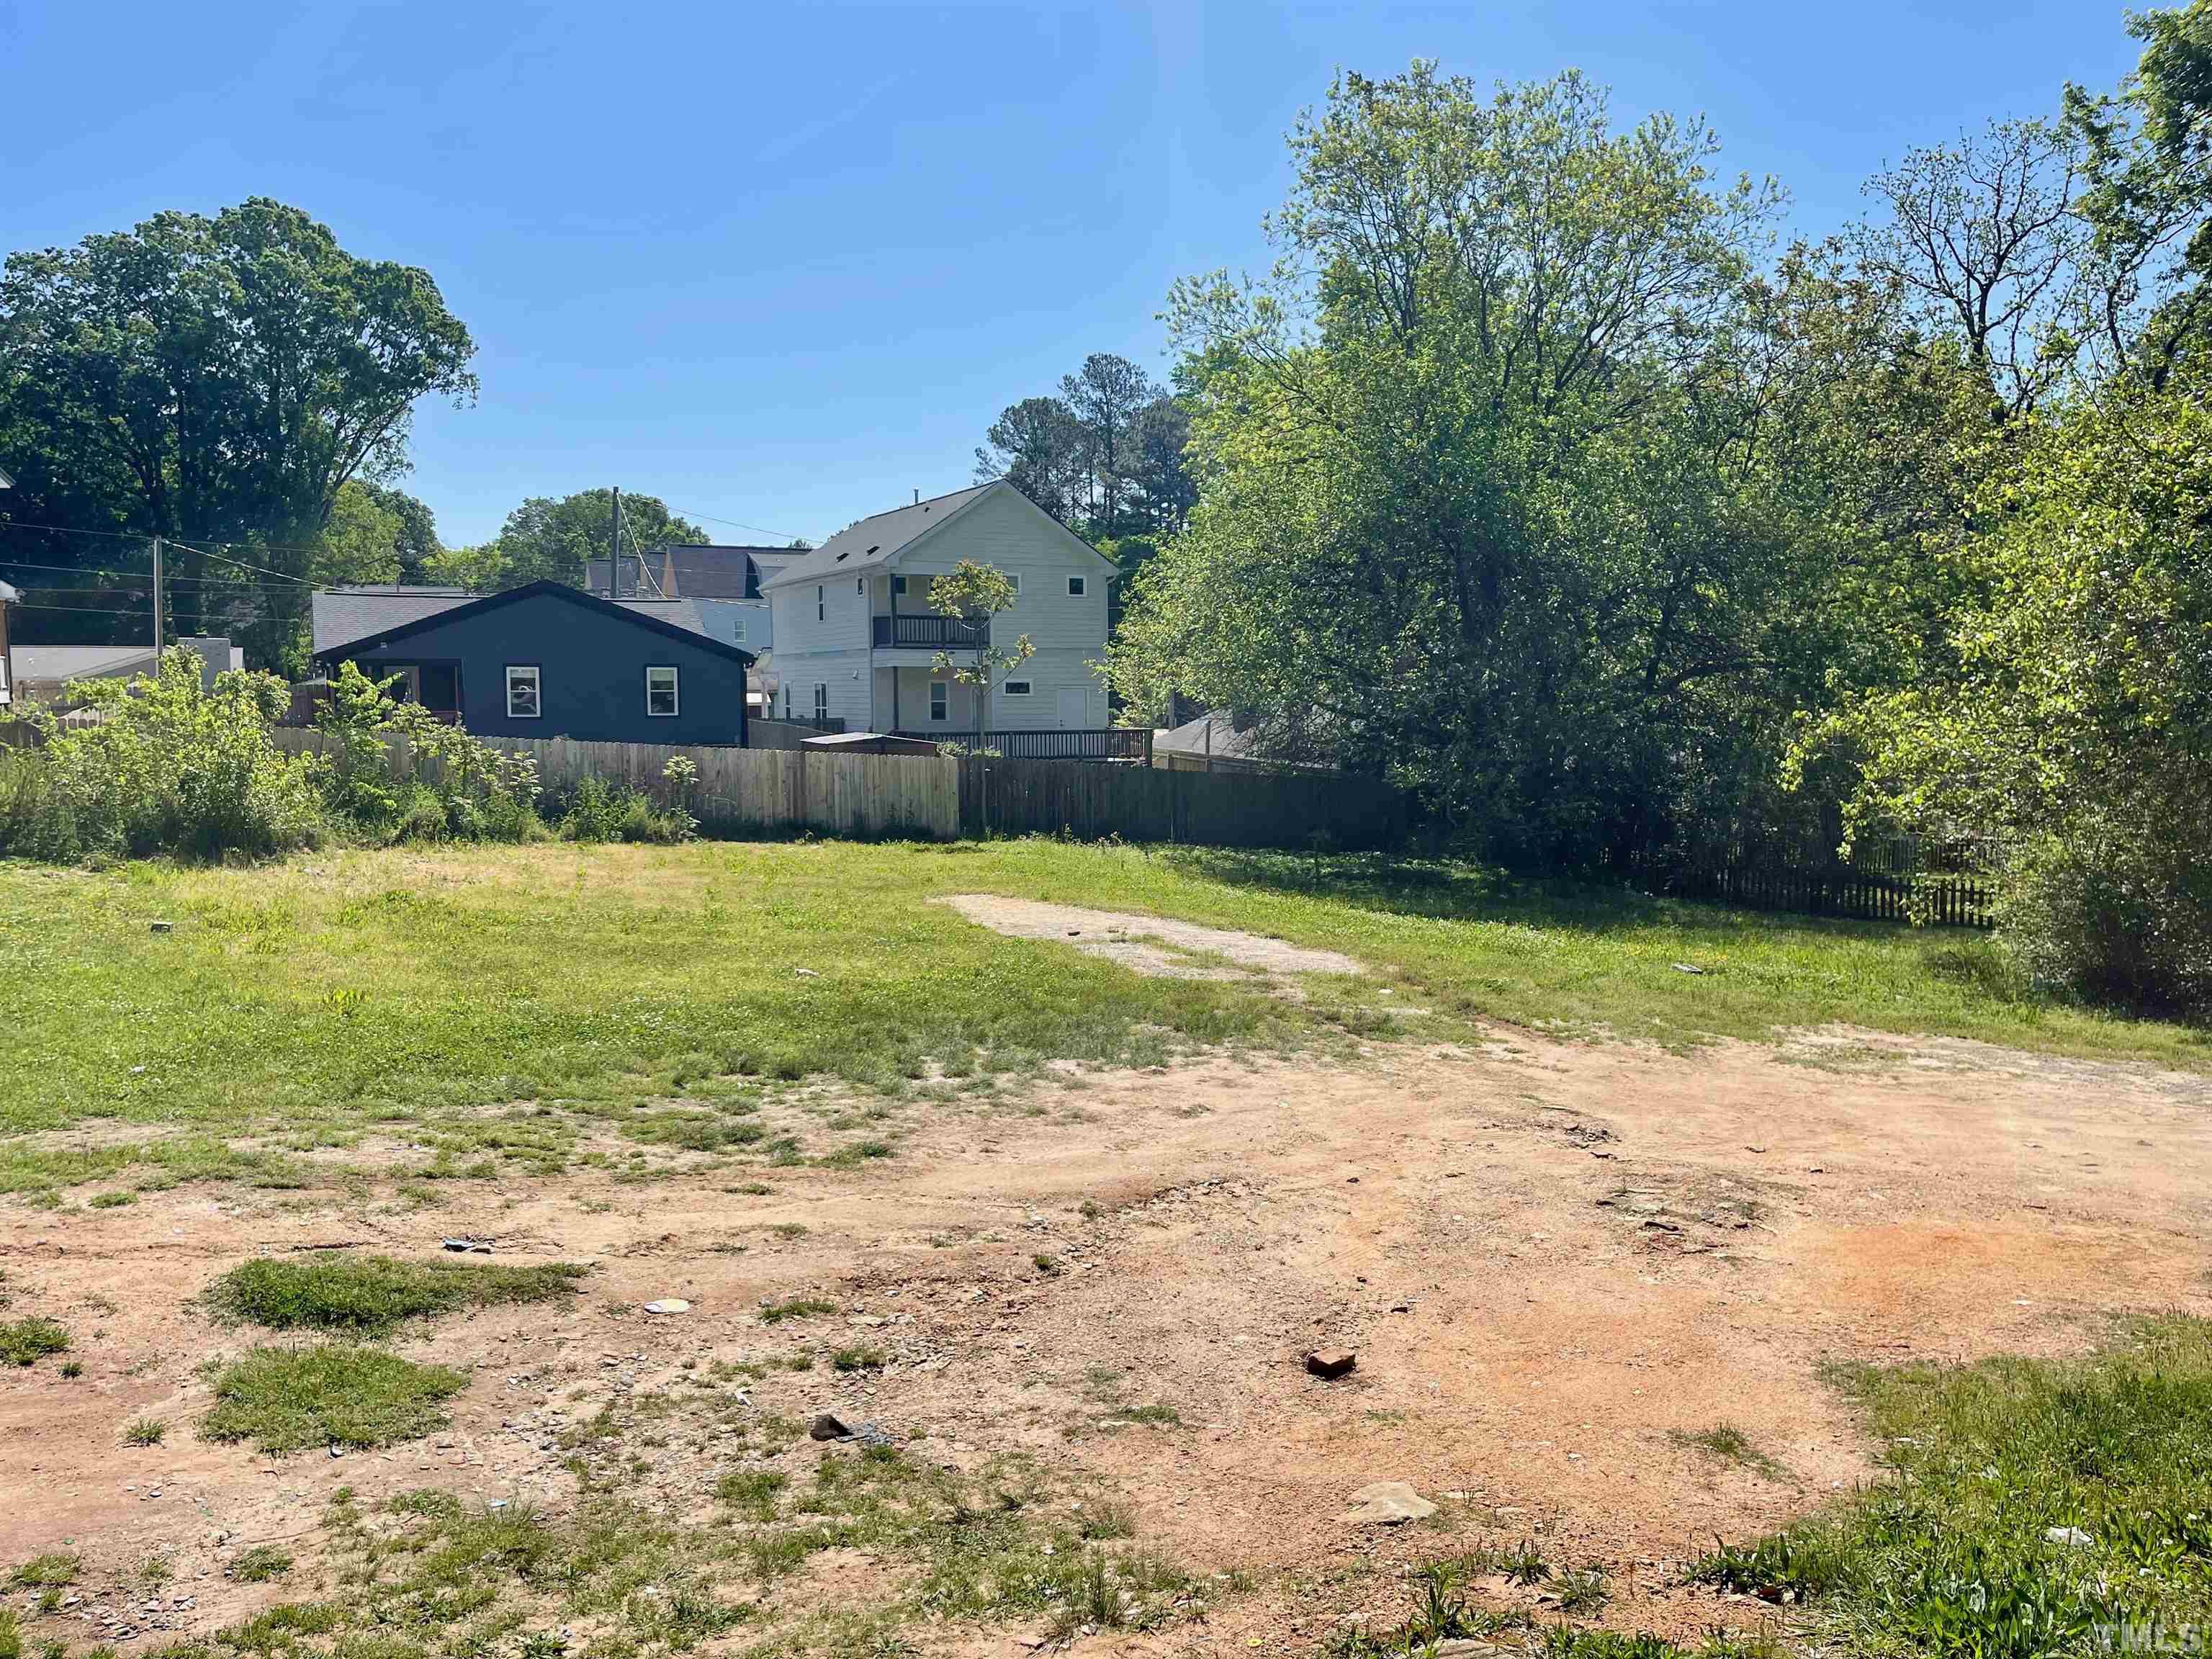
(783, 264)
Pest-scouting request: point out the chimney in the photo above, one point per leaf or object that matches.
(917, 497)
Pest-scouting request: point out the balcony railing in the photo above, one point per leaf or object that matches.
(932, 632)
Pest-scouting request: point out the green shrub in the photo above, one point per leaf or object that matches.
(2115, 911)
(172, 769)
(454, 785)
(27, 1340)
(597, 811)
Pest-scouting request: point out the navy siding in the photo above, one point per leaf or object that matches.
(592, 664)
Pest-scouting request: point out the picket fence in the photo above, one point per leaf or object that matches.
(755, 791)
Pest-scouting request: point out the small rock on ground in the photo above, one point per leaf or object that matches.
(1387, 1503)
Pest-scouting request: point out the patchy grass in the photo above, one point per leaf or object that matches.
(47, 1571)
(2038, 1507)
(1727, 1444)
(802, 1307)
(27, 1341)
(261, 1564)
(290, 1398)
(371, 1295)
(300, 1005)
(146, 1431)
(857, 1359)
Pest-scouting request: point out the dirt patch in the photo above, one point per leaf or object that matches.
(1556, 1263)
(1152, 945)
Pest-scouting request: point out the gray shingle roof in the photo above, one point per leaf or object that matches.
(873, 542)
(80, 662)
(340, 616)
(704, 570)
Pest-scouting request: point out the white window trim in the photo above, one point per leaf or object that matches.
(1018, 688)
(738, 631)
(821, 602)
(820, 700)
(675, 691)
(1078, 586)
(941, 702)
(1015, 577)
(536, 687)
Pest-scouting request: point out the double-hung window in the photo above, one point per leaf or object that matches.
(940, 700)
(821, 602)
(821, 701)
(661, 691)
(523, 702)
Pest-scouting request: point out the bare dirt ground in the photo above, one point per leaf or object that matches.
(1550, 1260)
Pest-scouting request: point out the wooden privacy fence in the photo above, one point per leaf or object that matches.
(784, 791)
(1966, 900)
(739, 790)
(1150, 804)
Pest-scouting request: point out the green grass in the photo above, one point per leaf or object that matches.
(371, 1295)
(261, 1564)
(2032, 1505)
(302, 1004)
(1727, 1444)
(800, 1307)
(43, 1571)
(25, 1341)
(146, 1431)
(290, 1398)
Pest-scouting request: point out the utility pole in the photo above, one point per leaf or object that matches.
(614, 546)
(157, 603)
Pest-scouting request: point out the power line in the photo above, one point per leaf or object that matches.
(757, 529)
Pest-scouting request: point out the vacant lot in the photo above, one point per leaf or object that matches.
(1050, 1211)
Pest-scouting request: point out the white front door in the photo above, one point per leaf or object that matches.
(1072, 699)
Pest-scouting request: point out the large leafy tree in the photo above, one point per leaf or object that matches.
(217, 379)
(547, 538)
(1478, 460)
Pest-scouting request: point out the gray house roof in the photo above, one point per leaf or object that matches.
(704, 570)
(339, 615)
(873, 542)
(81, 662)
(342, 615)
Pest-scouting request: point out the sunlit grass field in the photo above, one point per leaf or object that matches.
(299, 1003)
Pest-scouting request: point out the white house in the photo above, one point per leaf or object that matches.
(857, 638)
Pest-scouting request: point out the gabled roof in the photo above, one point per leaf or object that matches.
(646, 614)
(340, 616)
(873, 542)
(80, 662)
(704, 570)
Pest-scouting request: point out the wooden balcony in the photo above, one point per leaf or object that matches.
(927, 632)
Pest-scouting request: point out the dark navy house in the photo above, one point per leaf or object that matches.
(542, 661)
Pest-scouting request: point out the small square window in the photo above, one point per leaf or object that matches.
(941, 702)
(898, 586)
(1075, 585)
(1015, 577)
(1017, 688)
(660, 692)
(522, 699)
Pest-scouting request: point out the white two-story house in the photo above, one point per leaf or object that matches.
(857, 638)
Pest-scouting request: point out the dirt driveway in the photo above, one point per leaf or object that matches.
(1554, 1262)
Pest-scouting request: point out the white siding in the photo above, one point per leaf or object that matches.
(1002, 530)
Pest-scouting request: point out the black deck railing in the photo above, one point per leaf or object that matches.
(943, 632)
(1102, 743)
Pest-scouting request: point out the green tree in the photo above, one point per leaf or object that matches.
(1105, 396)
(415, 530)
(1479, 474)
(218, 378)
(549, 539)
(976, 593)
(1038, 446)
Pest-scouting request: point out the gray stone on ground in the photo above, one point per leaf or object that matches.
(1387, 1503)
